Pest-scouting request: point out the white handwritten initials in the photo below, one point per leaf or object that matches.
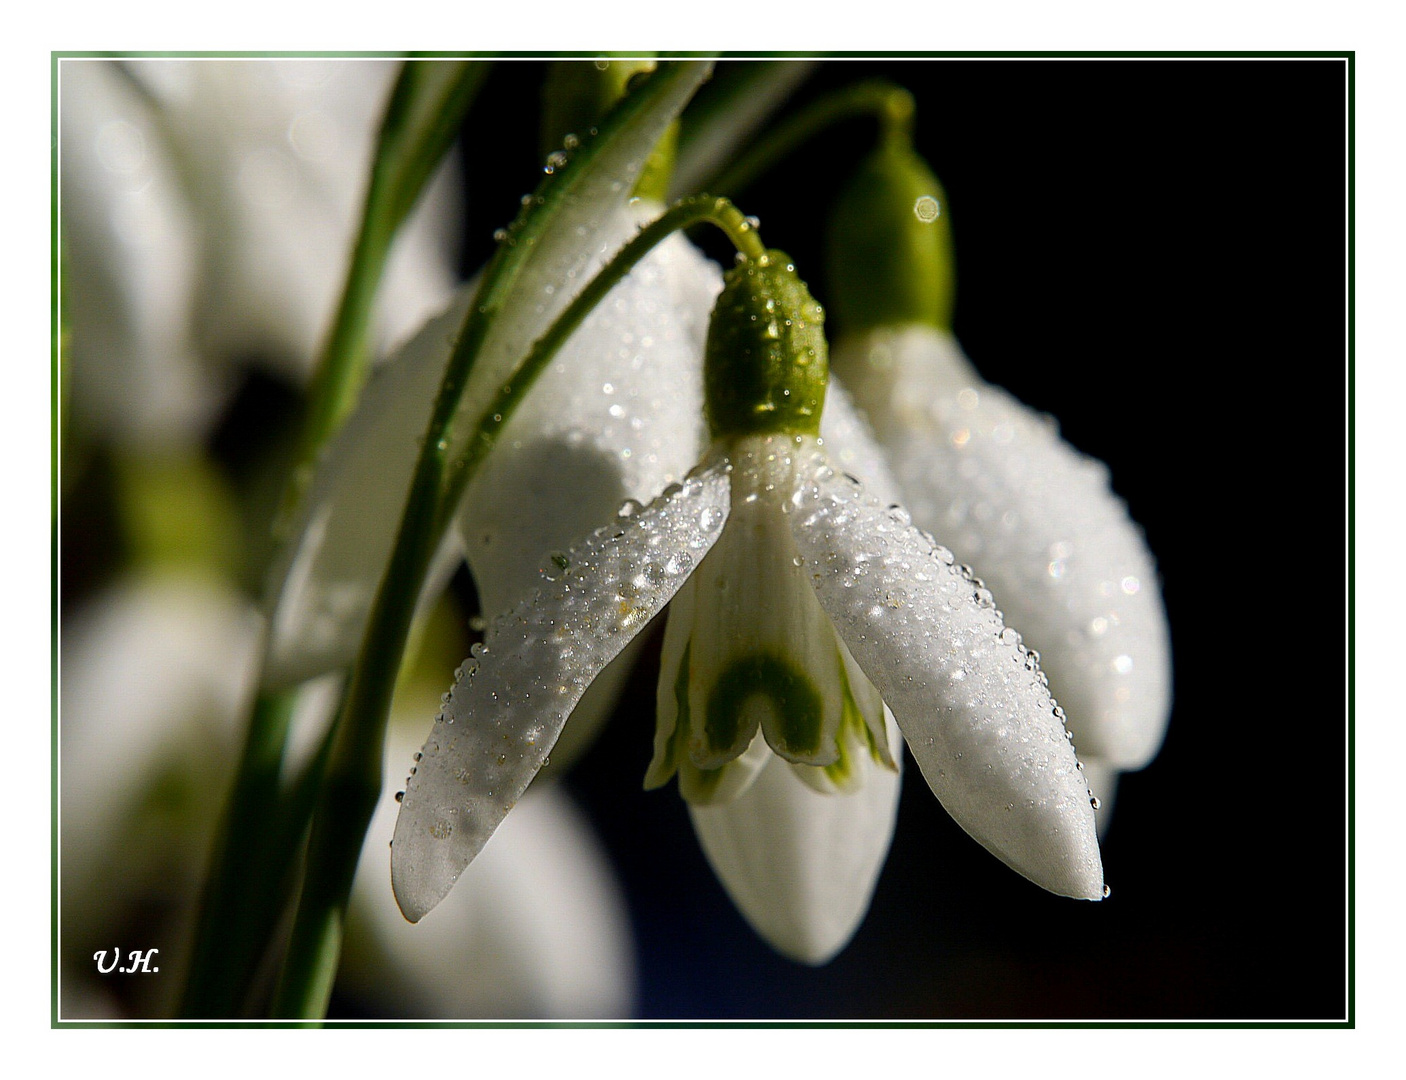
(136, 961)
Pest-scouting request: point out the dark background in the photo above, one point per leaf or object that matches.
(1153, 251)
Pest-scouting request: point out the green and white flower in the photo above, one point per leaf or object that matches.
(804, 609)
(1036, 517)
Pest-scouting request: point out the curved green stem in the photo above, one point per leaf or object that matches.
(892, 105)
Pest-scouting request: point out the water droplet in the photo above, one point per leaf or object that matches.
(1093, 801)
(399, 795)
(499, 235)
(1106, 892)
(926, 209)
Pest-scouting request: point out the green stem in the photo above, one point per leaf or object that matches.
(236, 917)
(892, 105)
(353, 782)
(421, 121)
(259, 838)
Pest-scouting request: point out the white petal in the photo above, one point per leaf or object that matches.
(1103, 786)
(277, 154)
(1038, 521)
(557, 269)
(538, 927)
(799, 865)
(348, 523)
(762, 651)
(129, 251)
(349, 520)
(502, 719)
(155, 675)
(851, 446)
(618, 415)
(970, 703)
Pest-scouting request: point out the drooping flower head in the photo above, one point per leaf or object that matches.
(1036, 517)
(810, 608)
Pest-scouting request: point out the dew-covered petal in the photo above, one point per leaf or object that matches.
(617, 415)
(970, 701)
(801, 866)
(851, 446)
(1037, 519)
(1103, 787)
(615, 418)
(508, 707)
(557, 268)
(347, 526)
(350, 518)
(538, 927)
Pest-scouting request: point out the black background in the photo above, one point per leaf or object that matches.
(1153, 251)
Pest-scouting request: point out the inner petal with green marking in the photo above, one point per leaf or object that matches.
(747, 649)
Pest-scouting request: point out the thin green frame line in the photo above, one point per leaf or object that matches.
(1349, 1021)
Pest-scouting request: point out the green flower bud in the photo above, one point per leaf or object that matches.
(766, 363)
(889, 246)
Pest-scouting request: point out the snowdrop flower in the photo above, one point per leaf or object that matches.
(992, 477)
(617, 416)
(806, 611)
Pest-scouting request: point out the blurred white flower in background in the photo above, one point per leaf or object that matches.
(154, 684)
(208, 213)
(539, 929)
(156, 680)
